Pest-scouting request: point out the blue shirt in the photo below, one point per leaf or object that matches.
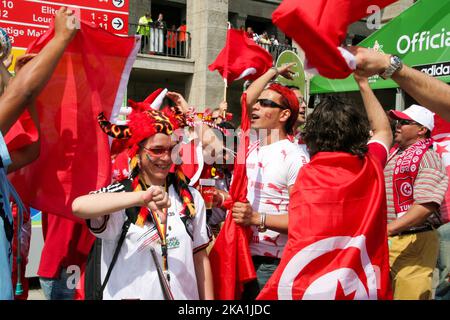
(6, 226)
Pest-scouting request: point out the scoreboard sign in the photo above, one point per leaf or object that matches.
(25, 20)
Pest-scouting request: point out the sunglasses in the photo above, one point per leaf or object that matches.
(158, 152)
(270, 103)
(404, 122)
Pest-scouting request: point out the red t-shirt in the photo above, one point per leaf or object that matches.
(66, 243)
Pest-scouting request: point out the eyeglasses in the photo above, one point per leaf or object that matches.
(158, 152)
(269, 103)
(404, 122)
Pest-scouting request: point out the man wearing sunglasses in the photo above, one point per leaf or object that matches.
(416, 183)
(273, 163)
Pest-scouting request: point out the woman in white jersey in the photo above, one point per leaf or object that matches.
(162, 221)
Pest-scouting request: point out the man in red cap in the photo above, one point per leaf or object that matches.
(273, 163)
(416, 182)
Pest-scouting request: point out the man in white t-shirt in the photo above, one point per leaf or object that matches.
(273, 163)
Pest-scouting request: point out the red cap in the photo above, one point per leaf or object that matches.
(398, 115)
(415, 113)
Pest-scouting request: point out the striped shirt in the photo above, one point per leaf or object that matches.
(430, 185)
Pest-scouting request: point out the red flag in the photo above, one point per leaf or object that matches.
(241, 58)
(22, 133)
(230, 256)
(320, 27)
(337, 246)
(441, 137)
(75, 154)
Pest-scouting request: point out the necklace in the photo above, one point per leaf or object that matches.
(162, 232)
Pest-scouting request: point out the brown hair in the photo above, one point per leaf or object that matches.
(337, 125)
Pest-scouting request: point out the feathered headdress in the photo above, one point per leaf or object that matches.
(144, 122)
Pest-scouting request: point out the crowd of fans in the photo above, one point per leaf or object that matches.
(264, 38)
(158, 39)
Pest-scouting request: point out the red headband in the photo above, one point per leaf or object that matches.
(291, 102)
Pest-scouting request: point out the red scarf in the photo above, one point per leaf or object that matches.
(405, 173)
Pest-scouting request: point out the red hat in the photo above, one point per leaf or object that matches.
(153, 101)
(143, 122)
(415, 113)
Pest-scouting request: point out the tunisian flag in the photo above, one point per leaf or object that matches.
(75, 154)
(441, 137)
(337, 246)
(241, 58)
(320, 27)
(230, 256)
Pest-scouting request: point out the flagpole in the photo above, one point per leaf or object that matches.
(225, 80)
(225, 90)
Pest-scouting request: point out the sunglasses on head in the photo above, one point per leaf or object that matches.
(158, 152)
(404, 122)
(270, 103)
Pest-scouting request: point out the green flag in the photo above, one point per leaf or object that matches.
(299, 73)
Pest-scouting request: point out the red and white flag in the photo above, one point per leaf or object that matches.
(230, 256)
(75, 154)
(441, 137)
(337, 246)
(241, 58)
(320, 27)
